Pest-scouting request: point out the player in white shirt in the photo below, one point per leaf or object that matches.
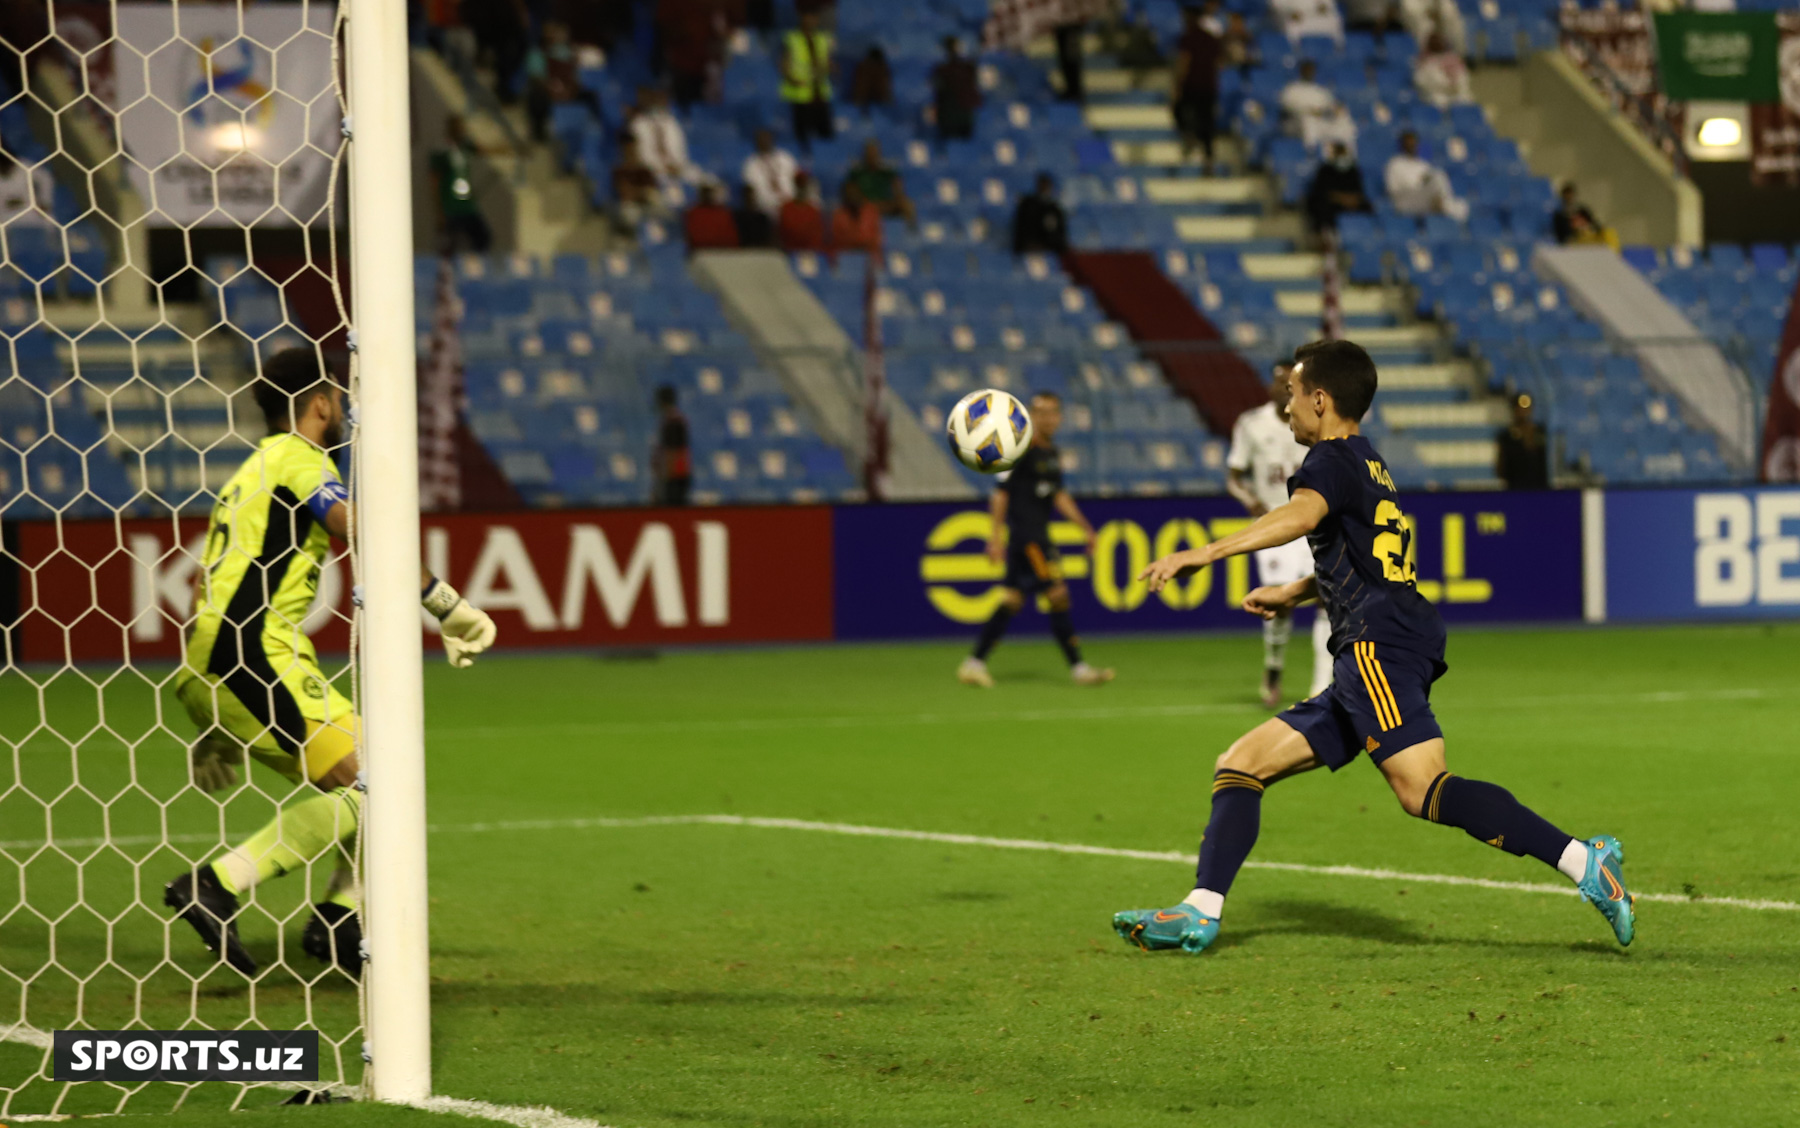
(1263, 457)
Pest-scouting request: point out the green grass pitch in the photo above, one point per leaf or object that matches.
(662, 975)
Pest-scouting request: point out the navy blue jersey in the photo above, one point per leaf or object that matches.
(1361, 552)
(1031, 487)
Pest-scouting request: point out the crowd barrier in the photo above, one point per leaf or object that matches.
(102, 591)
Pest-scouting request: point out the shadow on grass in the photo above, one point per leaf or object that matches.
(1324, 918)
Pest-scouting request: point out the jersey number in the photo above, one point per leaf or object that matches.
(1391, 544)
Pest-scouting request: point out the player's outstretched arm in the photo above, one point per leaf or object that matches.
(467, 630)
(1271, 601)
(1300, 516)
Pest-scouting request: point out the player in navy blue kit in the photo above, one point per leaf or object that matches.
(1030, 494)
(1387, 645)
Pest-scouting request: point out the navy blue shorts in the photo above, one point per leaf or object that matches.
(1379, 702)
(1032, 567)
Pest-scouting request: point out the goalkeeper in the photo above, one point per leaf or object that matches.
(251, 680)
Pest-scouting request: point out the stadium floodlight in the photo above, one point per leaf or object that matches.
(1717, 131)
(1720, 132)
(129, 401)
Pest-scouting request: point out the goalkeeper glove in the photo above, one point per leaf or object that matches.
(214, 759)
(467, 630)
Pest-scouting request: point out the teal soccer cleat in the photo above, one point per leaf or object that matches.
(1603, 886)
(1156, 930)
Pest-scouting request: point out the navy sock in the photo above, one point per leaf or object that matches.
(1231, 832)
(992, 631)
(1489, 812)
(1063, 628)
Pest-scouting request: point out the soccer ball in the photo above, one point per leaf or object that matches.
(989, 430)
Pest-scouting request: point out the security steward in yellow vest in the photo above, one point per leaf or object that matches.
(806, 70)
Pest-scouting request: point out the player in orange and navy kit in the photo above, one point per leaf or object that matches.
(1387, 644)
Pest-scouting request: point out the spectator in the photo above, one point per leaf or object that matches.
(1574, 223)
(872, 82)
(769, 172)
(671, 459)
(1238, 46)
(709, 223)
(551, 78)
(1071, 55)
(878, 182)
(1196, 86)
(661, 140)
(1304, 99)
(1136, 48)
(1424, 17)
(693, 36)
(806, 71)
(1212, 19)
(460, 220)
(1522, 456)
(499, 27)
(855, 225)
(1440, 75)
(25, 193)
(1334, 128)
(1416, 187)
(755, 227)
(1300, 18)
(1039, 223)
(1336, 188)
(801, 226)
(1370, 15)
(636, 196)
(955, 94)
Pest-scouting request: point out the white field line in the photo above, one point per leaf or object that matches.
(1100, 713)
(857, 831)
(541, 1117)
(1097, 851)
(451, 1106)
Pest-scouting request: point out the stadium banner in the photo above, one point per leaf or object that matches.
(194, 88)
(558, 578)
(911, 571)
(1703, 554)
(1717, 56)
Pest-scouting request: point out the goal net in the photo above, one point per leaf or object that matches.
(173, 212)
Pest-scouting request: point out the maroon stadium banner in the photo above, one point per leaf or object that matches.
(1775, 126)
(103, 591)
(1781, 430)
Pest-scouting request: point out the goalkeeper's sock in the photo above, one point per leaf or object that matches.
(992, 631)
(294, 837)
(1063, 628)
(1230, 833)
(1489, 812)
(344, 889)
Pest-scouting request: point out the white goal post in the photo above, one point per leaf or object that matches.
(395, 908)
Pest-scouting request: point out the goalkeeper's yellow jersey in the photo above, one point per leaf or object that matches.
(265, 543)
